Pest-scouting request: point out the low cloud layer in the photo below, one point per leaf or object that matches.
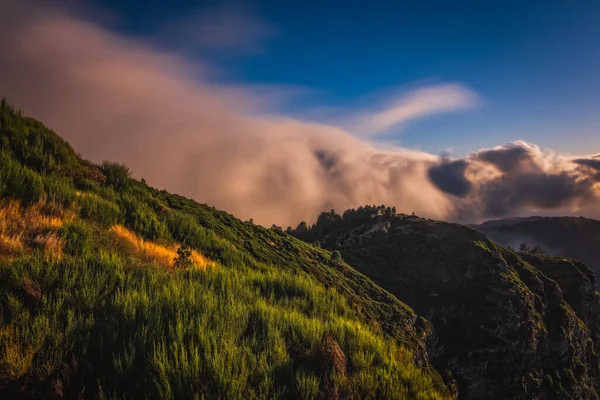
(117, 98)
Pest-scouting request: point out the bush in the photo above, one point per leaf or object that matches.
(184, 257)
(102, 211)
(78, 239)
(336, 257)
(143, 220)
(117, 175)
(59, 191)
(184, 228)
(19, 182)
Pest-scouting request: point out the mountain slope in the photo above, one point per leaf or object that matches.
(112, 289)
(567, 236)
(508, 326)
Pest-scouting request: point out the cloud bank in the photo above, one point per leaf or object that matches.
(121, 99)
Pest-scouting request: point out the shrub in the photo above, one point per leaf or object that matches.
(184, 257)
(78, 238)
(59, 191)
(143, 220)
(117, 175)
(97, 209)
(19, 182)
(336, 257)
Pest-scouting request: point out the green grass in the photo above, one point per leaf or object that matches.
(97, 323)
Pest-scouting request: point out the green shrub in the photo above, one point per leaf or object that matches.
(143, 220)
(78, 238)
(336, 257)
(97, 209)
(183, 259)
(19, 182)
(59, 191)
(184, 228)
(117, 175)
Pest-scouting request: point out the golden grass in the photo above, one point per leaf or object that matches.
(16, 219)
(10, 245)
(20, 226)
(17, 360)
(50, 243)
(128, 242)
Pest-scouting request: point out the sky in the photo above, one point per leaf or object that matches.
(277, 111)
(534, 66)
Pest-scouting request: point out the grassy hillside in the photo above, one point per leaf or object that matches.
(509, 325)
(112, 289)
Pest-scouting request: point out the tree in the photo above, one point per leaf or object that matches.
(302, 227)
(184, 257)
(537, 249)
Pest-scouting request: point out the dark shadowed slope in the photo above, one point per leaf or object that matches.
(509, 327)
(567, 236)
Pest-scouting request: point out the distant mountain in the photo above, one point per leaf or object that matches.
(510, 326)
(574, 237)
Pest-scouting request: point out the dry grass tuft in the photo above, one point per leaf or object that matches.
(21, 226)
(128, 242)
(10, 245)
(50, 243)
(16, 219)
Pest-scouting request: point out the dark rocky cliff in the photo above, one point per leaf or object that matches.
(510, 326)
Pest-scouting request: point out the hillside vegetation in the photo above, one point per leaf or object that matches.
(112, 289)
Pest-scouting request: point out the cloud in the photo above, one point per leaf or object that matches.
(519, 178)
(416, 104)
(125, 100)
(450, 177)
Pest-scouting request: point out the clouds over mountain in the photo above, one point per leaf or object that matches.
(122, 99)
(521, 178)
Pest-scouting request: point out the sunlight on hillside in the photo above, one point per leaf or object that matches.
(128, 242)
(19, 225)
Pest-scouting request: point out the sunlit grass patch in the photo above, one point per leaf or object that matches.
(16, 219)
(10, 245)
(148, 251)
(50, 243)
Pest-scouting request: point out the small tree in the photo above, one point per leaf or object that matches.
(184, 257)
(523, 248)
(538, 250)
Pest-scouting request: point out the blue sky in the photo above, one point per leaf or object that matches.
(535, 65)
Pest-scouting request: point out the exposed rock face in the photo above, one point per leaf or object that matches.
(509, 328)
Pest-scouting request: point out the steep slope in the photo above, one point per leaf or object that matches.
(509, 327)
(112, 289)
(567, 236)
